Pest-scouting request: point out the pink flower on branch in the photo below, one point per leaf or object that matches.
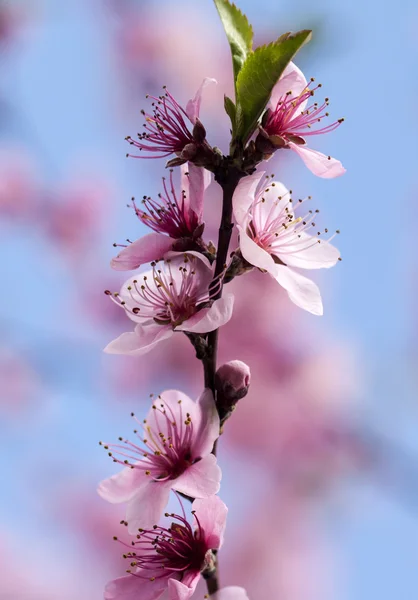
(290, 120)
(273, 239)
(175, 295)
(173, 558)
(166, 130)
(176, 219)
(175, 453)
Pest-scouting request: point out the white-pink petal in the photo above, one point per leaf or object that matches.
(200, 480)
(179, 591)
(140, 341)
(320, 164)
(152, 246)
(177, 404)
(231, 592)
(270, 204)
(122, 486)
(135, 588)
(146, 508)
(292, 80)
(211, 513)
(209, 319)
(181, 255)
(302, 291)
(254, 254)
(308, 252)
(195, 185)
(207, 426)
(193, 106)
(244, 196)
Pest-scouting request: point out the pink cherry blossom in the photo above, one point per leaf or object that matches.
(289, 121)
(166, 130)
(172, 558)
(173, 296)
(175, 218)
(274, 240)
(178, 435)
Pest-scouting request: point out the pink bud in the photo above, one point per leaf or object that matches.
(232, 381)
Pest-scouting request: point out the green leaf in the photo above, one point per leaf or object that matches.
(230, 110)
(238, 31)
(258, 76)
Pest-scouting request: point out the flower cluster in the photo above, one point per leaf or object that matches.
(175, 446)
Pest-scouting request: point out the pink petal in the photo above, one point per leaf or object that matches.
(200, 480)
(147, 249)
(203, 414)
(123, 486)
(147, 506)
(292, 80)
(136, 588)
(275, 199)
(318, 163)
(195, 185)
(193, 106)
(302, 291)
(308, 253)
(231, 592)
(207, 428)
(256, 256)
(179, 591)
(176, 404)
(201, 259)
(140, 341)
(244, 196)
(209, 319)
(211, 514)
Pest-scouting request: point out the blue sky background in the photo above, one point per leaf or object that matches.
(60, 87)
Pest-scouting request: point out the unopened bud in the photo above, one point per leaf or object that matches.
(232, 382)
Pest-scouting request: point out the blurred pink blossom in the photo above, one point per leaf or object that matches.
(20, 383)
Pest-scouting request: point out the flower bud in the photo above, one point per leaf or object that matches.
(232, 382)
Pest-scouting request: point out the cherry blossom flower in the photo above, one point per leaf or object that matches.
(274, 240)
(175, 218)
(166, 130)
(289, 121)
(172, 296)
(178, 435)
(173, 558)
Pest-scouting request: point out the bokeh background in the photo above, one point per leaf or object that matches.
(320, 460)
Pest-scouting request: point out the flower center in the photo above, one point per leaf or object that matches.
(165, 130)
(293, 120)
(169, 300)
(169, 214)
(167, 439)
(162, 552)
